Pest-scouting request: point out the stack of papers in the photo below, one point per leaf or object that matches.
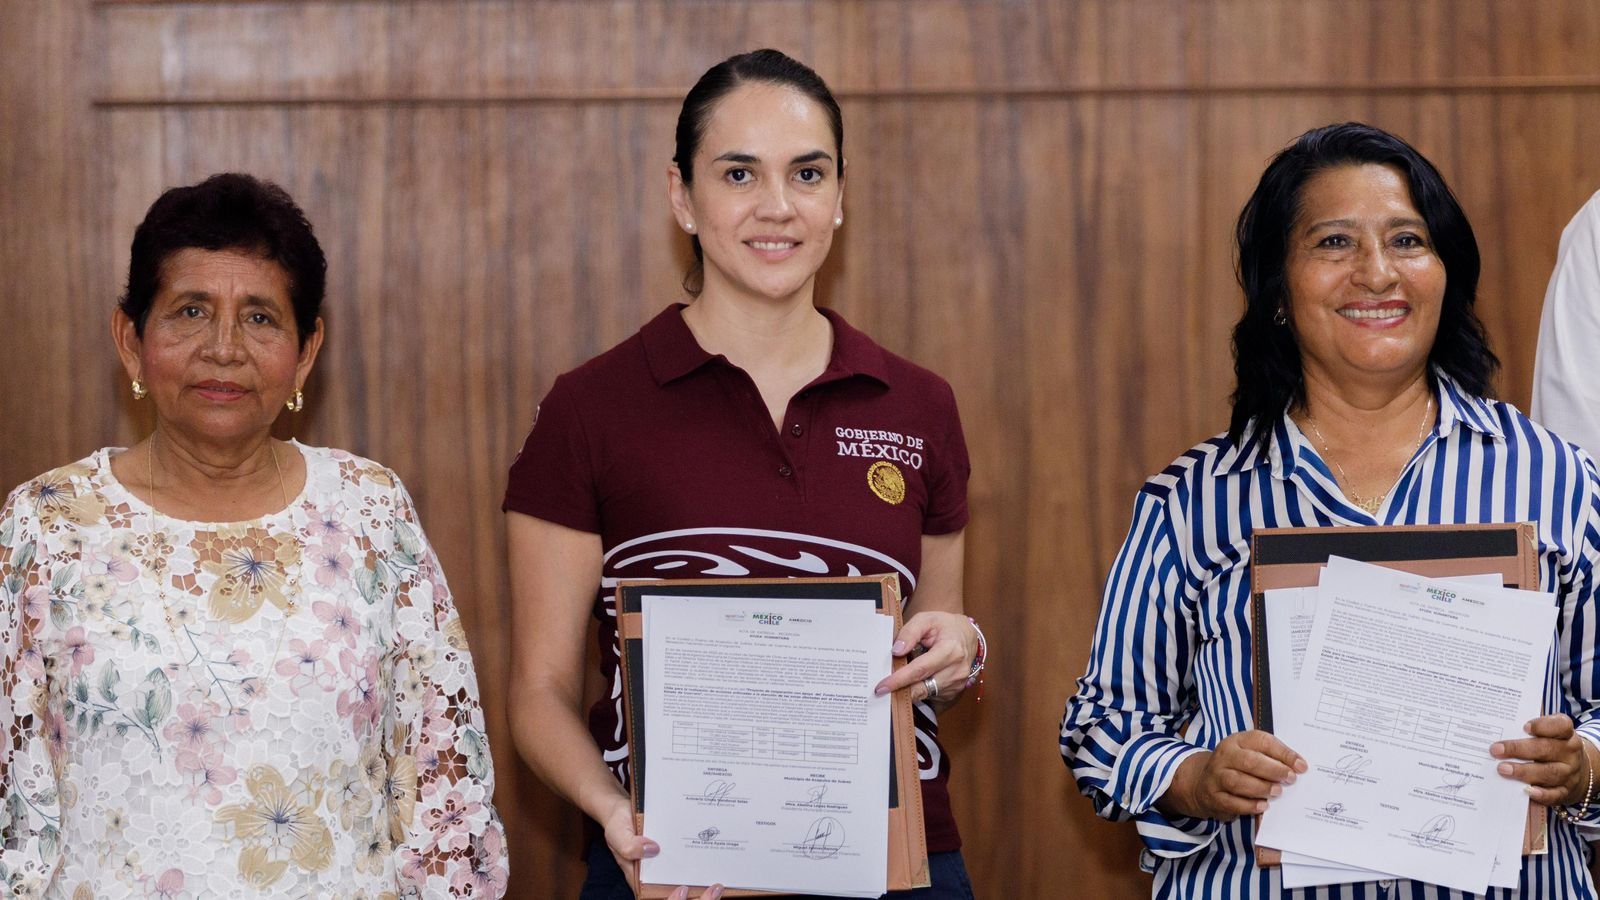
(767, 751)
(1401, 684)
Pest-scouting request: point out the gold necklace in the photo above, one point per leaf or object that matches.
(1369, 505)
(291, 592)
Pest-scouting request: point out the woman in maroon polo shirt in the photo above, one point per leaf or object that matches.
(748, 433)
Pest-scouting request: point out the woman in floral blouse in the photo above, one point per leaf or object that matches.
(232, 666)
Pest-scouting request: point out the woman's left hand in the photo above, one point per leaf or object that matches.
(1554, 763)
(951, 644)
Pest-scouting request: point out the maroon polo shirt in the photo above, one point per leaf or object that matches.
(668, 453)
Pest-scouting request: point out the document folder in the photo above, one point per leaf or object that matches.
(1294, 557)
(908, 852)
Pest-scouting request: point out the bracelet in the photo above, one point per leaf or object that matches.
(1576, 818)
(975, 677)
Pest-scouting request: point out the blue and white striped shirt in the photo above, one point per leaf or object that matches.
(1170, 670)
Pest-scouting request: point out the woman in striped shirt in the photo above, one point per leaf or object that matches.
(1362, 376)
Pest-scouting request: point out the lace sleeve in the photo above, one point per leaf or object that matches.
(447, 835)
(30, 817)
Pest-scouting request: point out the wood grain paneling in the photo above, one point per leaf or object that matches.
(1039, 202)
(629, 50)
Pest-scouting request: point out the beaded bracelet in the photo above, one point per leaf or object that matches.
(1576, 818)
(975, 677)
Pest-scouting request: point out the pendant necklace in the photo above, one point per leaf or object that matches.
(1369, 505)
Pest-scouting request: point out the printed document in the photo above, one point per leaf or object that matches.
(1289, 614)
(1406, 683)
(766, 754)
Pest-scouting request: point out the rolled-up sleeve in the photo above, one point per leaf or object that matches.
(1121, 734)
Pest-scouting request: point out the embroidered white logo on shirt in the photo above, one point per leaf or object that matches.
(866, 443)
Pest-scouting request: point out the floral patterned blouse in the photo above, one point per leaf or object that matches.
(304, 723)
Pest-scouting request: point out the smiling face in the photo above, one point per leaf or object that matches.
(767, 188)
(220, 352)
(1365, 285)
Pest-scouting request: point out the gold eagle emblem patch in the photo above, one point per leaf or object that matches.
(886, 481)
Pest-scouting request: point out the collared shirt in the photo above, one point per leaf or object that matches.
(1566, 391)
(1169, 674)
(669, 454)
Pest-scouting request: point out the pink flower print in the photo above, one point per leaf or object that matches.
(331, 564)
(209, 774)
(303, 665)
(193, 727)
(451, 823)
(31, 660)
(343, 626)
(35, 601)
(188, 761)
(413, 867)
(360, 703)
(435, 720)
(486, 873)
(55, 733)
(328, 527)
(169, 884)
(78, 649)
(430, 761)
(120, 568)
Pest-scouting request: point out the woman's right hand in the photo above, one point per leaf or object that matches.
(1236, 779)
(629, 846)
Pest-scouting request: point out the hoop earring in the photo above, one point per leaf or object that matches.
(296, 403)
(139, 390)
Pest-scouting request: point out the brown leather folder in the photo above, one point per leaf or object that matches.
(1294, 557)
(908, 850)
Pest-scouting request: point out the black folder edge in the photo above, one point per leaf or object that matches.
(1377, 545)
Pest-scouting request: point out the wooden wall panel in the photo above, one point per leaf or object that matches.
(1039, 203)
(342, 51)
(47, 394)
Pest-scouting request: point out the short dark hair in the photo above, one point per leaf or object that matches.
(230, 211)
(1266, 359)
(763, 66)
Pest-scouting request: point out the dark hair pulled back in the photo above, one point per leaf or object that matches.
(764, 66)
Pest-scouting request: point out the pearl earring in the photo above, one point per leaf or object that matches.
(838, 221)
(689, 227)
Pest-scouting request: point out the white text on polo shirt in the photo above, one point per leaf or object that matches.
(867, 443)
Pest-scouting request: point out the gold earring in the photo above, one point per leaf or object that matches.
(139, 390)
(297, 402)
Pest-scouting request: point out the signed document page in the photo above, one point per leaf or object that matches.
(766, 752)
(1406, 683)
(1289, 616)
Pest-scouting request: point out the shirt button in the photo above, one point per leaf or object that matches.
(796, 430)
(785, 471)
